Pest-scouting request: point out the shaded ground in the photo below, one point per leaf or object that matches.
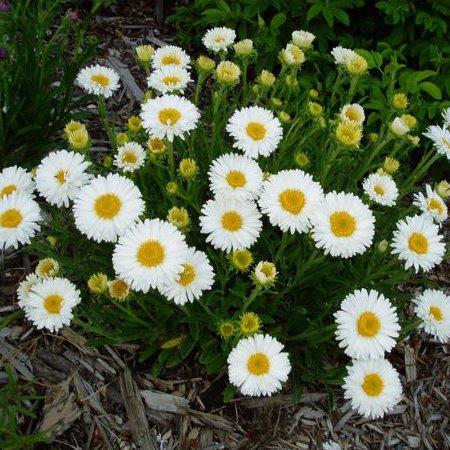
(103, 399)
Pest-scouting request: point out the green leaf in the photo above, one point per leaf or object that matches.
(314, 11)
(342, 16)
(431, 89)
(277, 21)
(229, 392)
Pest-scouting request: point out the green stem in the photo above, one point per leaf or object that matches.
(256, 291)
(105, 121)
(170, 160)
(198, 88)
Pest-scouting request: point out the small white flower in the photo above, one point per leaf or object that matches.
(50, 303)
(431, 204)
(367, 325)
(417, 242)
(219, 39)
(169, 79)
(399, 127)
(255, 130)
(230, 224)
(433, 307)
(169, 116)
(441, 139)
(15, 179)
(381, 189)
(265, 273)
(292, 55)
(130, 157)
(446, 117)
(98, 80)
(107, 206)
(258, 366)
(19, 217)
(170, 55)
(197, 276)
(237, 176)
(342, 55)
(60, 176)
(373, 386)
(24, 288)
(353, 113)
(303, 39)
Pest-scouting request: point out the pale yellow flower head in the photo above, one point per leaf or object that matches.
(172, 187)
(391, 165)
(313, 94)
(410, 120)
(249, 323)
(134, 124)
(356, 66)
(267, 78)
(79, 139)
(243, 48)
(47, 268)
(284, 117)
(241, 259)
(228, 73)
(188, 168)
(178, 217)
(349, 134)
(205, 64)
(118, 289)
(144, 54)
(292, 56)
(443, 189)
(72, 126)
(98, 283)
(156, 146)
(400, 101)
(226, 329)
(301, 159)
(315, 109)
(276, 103)
(415, 140)
(122, 138)
(383, 246)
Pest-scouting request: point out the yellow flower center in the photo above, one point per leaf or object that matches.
(353, 114)
(119, 289)
(156, 145)
(171, 80)
(258, 364)
(53, 303)
(249, 323)
(170, 59)
(169, 116)
(46, 267)
(188, 275)
(342, 224)
(436, 312)
(100, 79)
(11, 218)
(232, 221)
(435, 205)
(292, 200)
(296, 53)
(373, 385)
(379, 190)
(129, 158)
(107, 206)
(150, 254)
(268, 270)
(418, 243)
(256, 130)
(9, 189)
(446, 142)
(61, 176)
(235, 178)
(368, 324)
(219, 39)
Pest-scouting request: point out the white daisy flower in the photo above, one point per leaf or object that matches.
(431, 204)
(258, 366)
(47, 268)
(256, 131)
(24, 288)
(399, 127)
(343, 225)
(19, 217)
(169, 116)
(98, 80)
(230, 224)
(219, 39)
(236, 176)
(130, 157)
(107, 206)
(342, 55)
(169, 79)
(433, 307)
(381, 189)
(265, 273)
(441, 139)
(197, 276)
(353, 113)
(50, 303)
(367, 325)
(446, 117)
(60, 176)
(373, 386)
(417, 242)
(289, 198)
(292, 55)
(302, 39)
(150, 254)
(170, 55)
(15, 179)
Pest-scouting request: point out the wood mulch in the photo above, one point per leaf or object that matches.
(101, 398)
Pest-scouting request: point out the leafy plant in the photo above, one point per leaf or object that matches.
(44, 50)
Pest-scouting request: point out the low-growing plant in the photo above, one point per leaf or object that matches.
(250, 213)
(42, 49)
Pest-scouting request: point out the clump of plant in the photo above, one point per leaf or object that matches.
(244, 220)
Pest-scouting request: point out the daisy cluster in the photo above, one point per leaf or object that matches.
(240, 193)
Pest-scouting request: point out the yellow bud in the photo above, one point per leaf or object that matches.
(410, 120)
(79, 139)
(391, 165)
(228, 73)
(188, 168)
(315, 109)
(98, 283)
(265, 273)
(118, 289)
(134, 124)
(144, 54)
(175, 342)
(267, 79)
(284, 116)
(313, 94)
(249, 323)
(349, 134)
(356, 66)
(276, 102)
(413, 139)
(383, 246)
(47, 268)
(172, 187)
(226, 329)
(122, 138)
(291, 81)
(205, 64)
(243, 48)
(241, 260)
(52, 240)
(443, 189)
(255, 89)
(373, 137)
(107, 161)
(301, 159)
(400, 101)
(178, 217)
(156, 146)
(72, 126)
